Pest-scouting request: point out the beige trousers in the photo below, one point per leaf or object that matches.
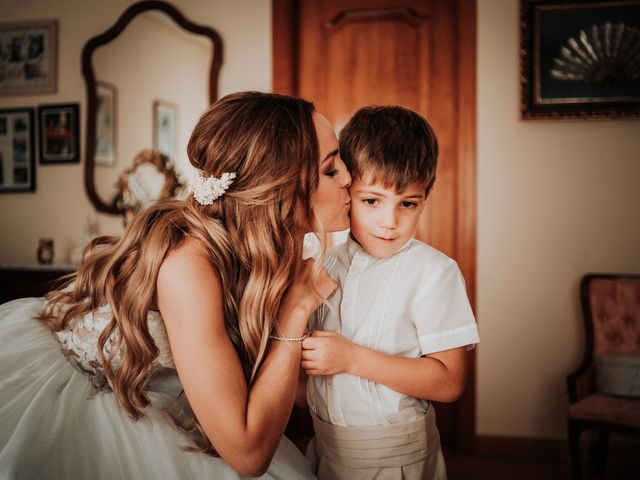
(404, 451)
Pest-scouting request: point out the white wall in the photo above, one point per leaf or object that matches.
(555, 200)
(60, 205)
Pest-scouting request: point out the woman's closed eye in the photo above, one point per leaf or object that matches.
(331, 173)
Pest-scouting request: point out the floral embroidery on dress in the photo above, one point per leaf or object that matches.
(79, 342)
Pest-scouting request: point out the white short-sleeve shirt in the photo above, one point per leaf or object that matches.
(409, 304)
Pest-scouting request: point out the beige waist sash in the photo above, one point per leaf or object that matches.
(377, 446)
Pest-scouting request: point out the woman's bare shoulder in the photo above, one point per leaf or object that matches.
(189, 260)
(188, 288)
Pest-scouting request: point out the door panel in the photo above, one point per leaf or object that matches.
(346, 54)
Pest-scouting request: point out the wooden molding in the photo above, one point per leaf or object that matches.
(622, 449)
(406, 14)
(521, 447)
(467, 198)
(284, 46)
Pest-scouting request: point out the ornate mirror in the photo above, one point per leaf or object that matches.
(149, 178)
(130, 68)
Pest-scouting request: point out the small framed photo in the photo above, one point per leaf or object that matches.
(580, 59)
(28, 57)
(17, 150)
(106, 117)
(59, 133)
(165, 128)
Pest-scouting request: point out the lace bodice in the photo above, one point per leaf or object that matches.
(79, 342)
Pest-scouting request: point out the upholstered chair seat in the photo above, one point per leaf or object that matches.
(605, 408)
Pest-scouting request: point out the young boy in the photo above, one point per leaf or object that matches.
(395, 334)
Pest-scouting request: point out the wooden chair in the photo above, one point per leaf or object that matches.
(603, 393)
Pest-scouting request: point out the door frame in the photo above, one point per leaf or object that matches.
(285, 43)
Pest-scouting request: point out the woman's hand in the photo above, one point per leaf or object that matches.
(300, 295)
(327, 353)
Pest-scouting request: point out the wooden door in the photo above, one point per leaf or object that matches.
(344, 54)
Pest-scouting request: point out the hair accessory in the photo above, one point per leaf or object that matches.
(288, 339)
(207, 189)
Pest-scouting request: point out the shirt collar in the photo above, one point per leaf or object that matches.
(354, 249)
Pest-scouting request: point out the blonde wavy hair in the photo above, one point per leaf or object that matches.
(253, 235)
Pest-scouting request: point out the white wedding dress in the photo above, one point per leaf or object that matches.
(58, 421)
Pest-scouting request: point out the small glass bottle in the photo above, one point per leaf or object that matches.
(45, 251)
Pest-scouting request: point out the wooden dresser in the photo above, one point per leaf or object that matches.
(19, 281)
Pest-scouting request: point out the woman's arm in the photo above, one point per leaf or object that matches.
(438, 376)
(301, 392)
(244, 424)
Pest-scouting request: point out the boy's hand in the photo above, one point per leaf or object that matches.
(326, 352)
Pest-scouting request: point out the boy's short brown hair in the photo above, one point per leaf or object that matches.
(394, 145)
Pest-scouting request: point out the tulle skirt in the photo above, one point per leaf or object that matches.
(54, 424)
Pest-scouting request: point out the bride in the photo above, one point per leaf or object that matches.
(174, 350)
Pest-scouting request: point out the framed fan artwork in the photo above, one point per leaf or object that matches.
(580, 59)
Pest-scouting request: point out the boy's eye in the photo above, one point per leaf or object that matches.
(370, 201)
(408, 204)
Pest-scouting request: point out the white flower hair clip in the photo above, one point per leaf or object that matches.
(207, 189)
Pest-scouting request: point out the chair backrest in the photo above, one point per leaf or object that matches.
(611, 305)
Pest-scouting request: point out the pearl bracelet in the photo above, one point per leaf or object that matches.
(288, 339)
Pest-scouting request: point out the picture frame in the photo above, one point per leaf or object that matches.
(165, 128)
(17, 150)
(59, 133)
(577, 59)
(106, 124)
(28, 57)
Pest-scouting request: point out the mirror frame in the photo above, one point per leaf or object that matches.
(90, 82)
(161, 162)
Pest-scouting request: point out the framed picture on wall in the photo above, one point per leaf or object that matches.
(17, 150)
(59, 133)
(28, 57)
(165, 128)
(106, 118)
(580, 59)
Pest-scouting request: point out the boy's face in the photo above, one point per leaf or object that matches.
(382, 219)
